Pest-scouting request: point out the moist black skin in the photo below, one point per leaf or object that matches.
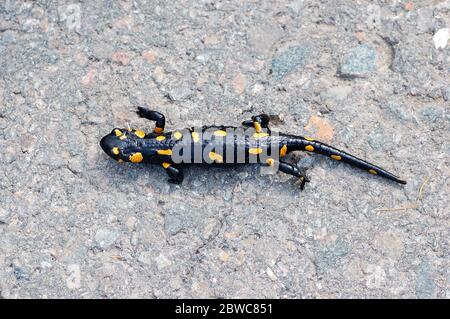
(258, 145)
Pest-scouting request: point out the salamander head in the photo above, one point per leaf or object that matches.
(122, 145)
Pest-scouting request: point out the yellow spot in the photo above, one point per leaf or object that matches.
(122, 137)
(115, 150)
(336, 157)
(257, 126)
(195, 137)
(283, 151)
(215, 157)
(160, 138)
(259, 135)
(165, 164)
(309, 148)
(255, 151)
(372, 171)
(309, 139)
(177, 135)
(117, 132)
(136, 157)
(164, 152)
(270, 161)
(139, 133)
(220, 133)
(158, 130)
(119, 161)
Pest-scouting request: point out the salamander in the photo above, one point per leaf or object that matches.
(252, 142)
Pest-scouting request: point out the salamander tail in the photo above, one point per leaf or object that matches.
(306, 144)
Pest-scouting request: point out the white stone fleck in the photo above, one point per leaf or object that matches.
(145, 257)
(73, 279)
(271, 274)
(105, 237)
(376, 276)
(162, 261)
(257, 88)
(441, 37)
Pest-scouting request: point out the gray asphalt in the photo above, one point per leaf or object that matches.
(371, 79)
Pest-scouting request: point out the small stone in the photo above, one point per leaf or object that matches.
(257, 88)
(239, 83)
(231, 235)
(337, 93)
(211, 40)
(224, 256)
(441, 37)
(227, 195)
(398, 111)
(373, 20)
(306, 162)
(261, 38)
(375, 276)
(242, 175)
(353, 270)
(173, 224)
(4, 216)
(112, 219)
(73, 279)
(145, 257)
(328, 255)
(131, 223)
(20, 273)
(180, 93)
(105, 237)
(425, 286)
(200, 58)
(121, 58)
(162, 261)
(425, 18)
(431, 113)
(159, 74)
(271, 274)
(46, 264)
(359, 62)
(446, 93)
(209, 226)
(287, 61)
(321, 128)
(239, 259)
(360, 35)
(88, 79)
(409, 6)
(150, 56)
(125, 22)
(389, 243)
(8, 37)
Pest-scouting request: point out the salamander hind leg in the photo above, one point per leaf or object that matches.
(174, 172)
(159, 118)
(290, 169)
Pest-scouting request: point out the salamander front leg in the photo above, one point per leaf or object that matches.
(153, 116)
(290, 169)
(260, 122)
(175, 173)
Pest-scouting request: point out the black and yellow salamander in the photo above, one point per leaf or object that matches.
(253, 142)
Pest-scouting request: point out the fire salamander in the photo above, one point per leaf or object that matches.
(253, 142)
